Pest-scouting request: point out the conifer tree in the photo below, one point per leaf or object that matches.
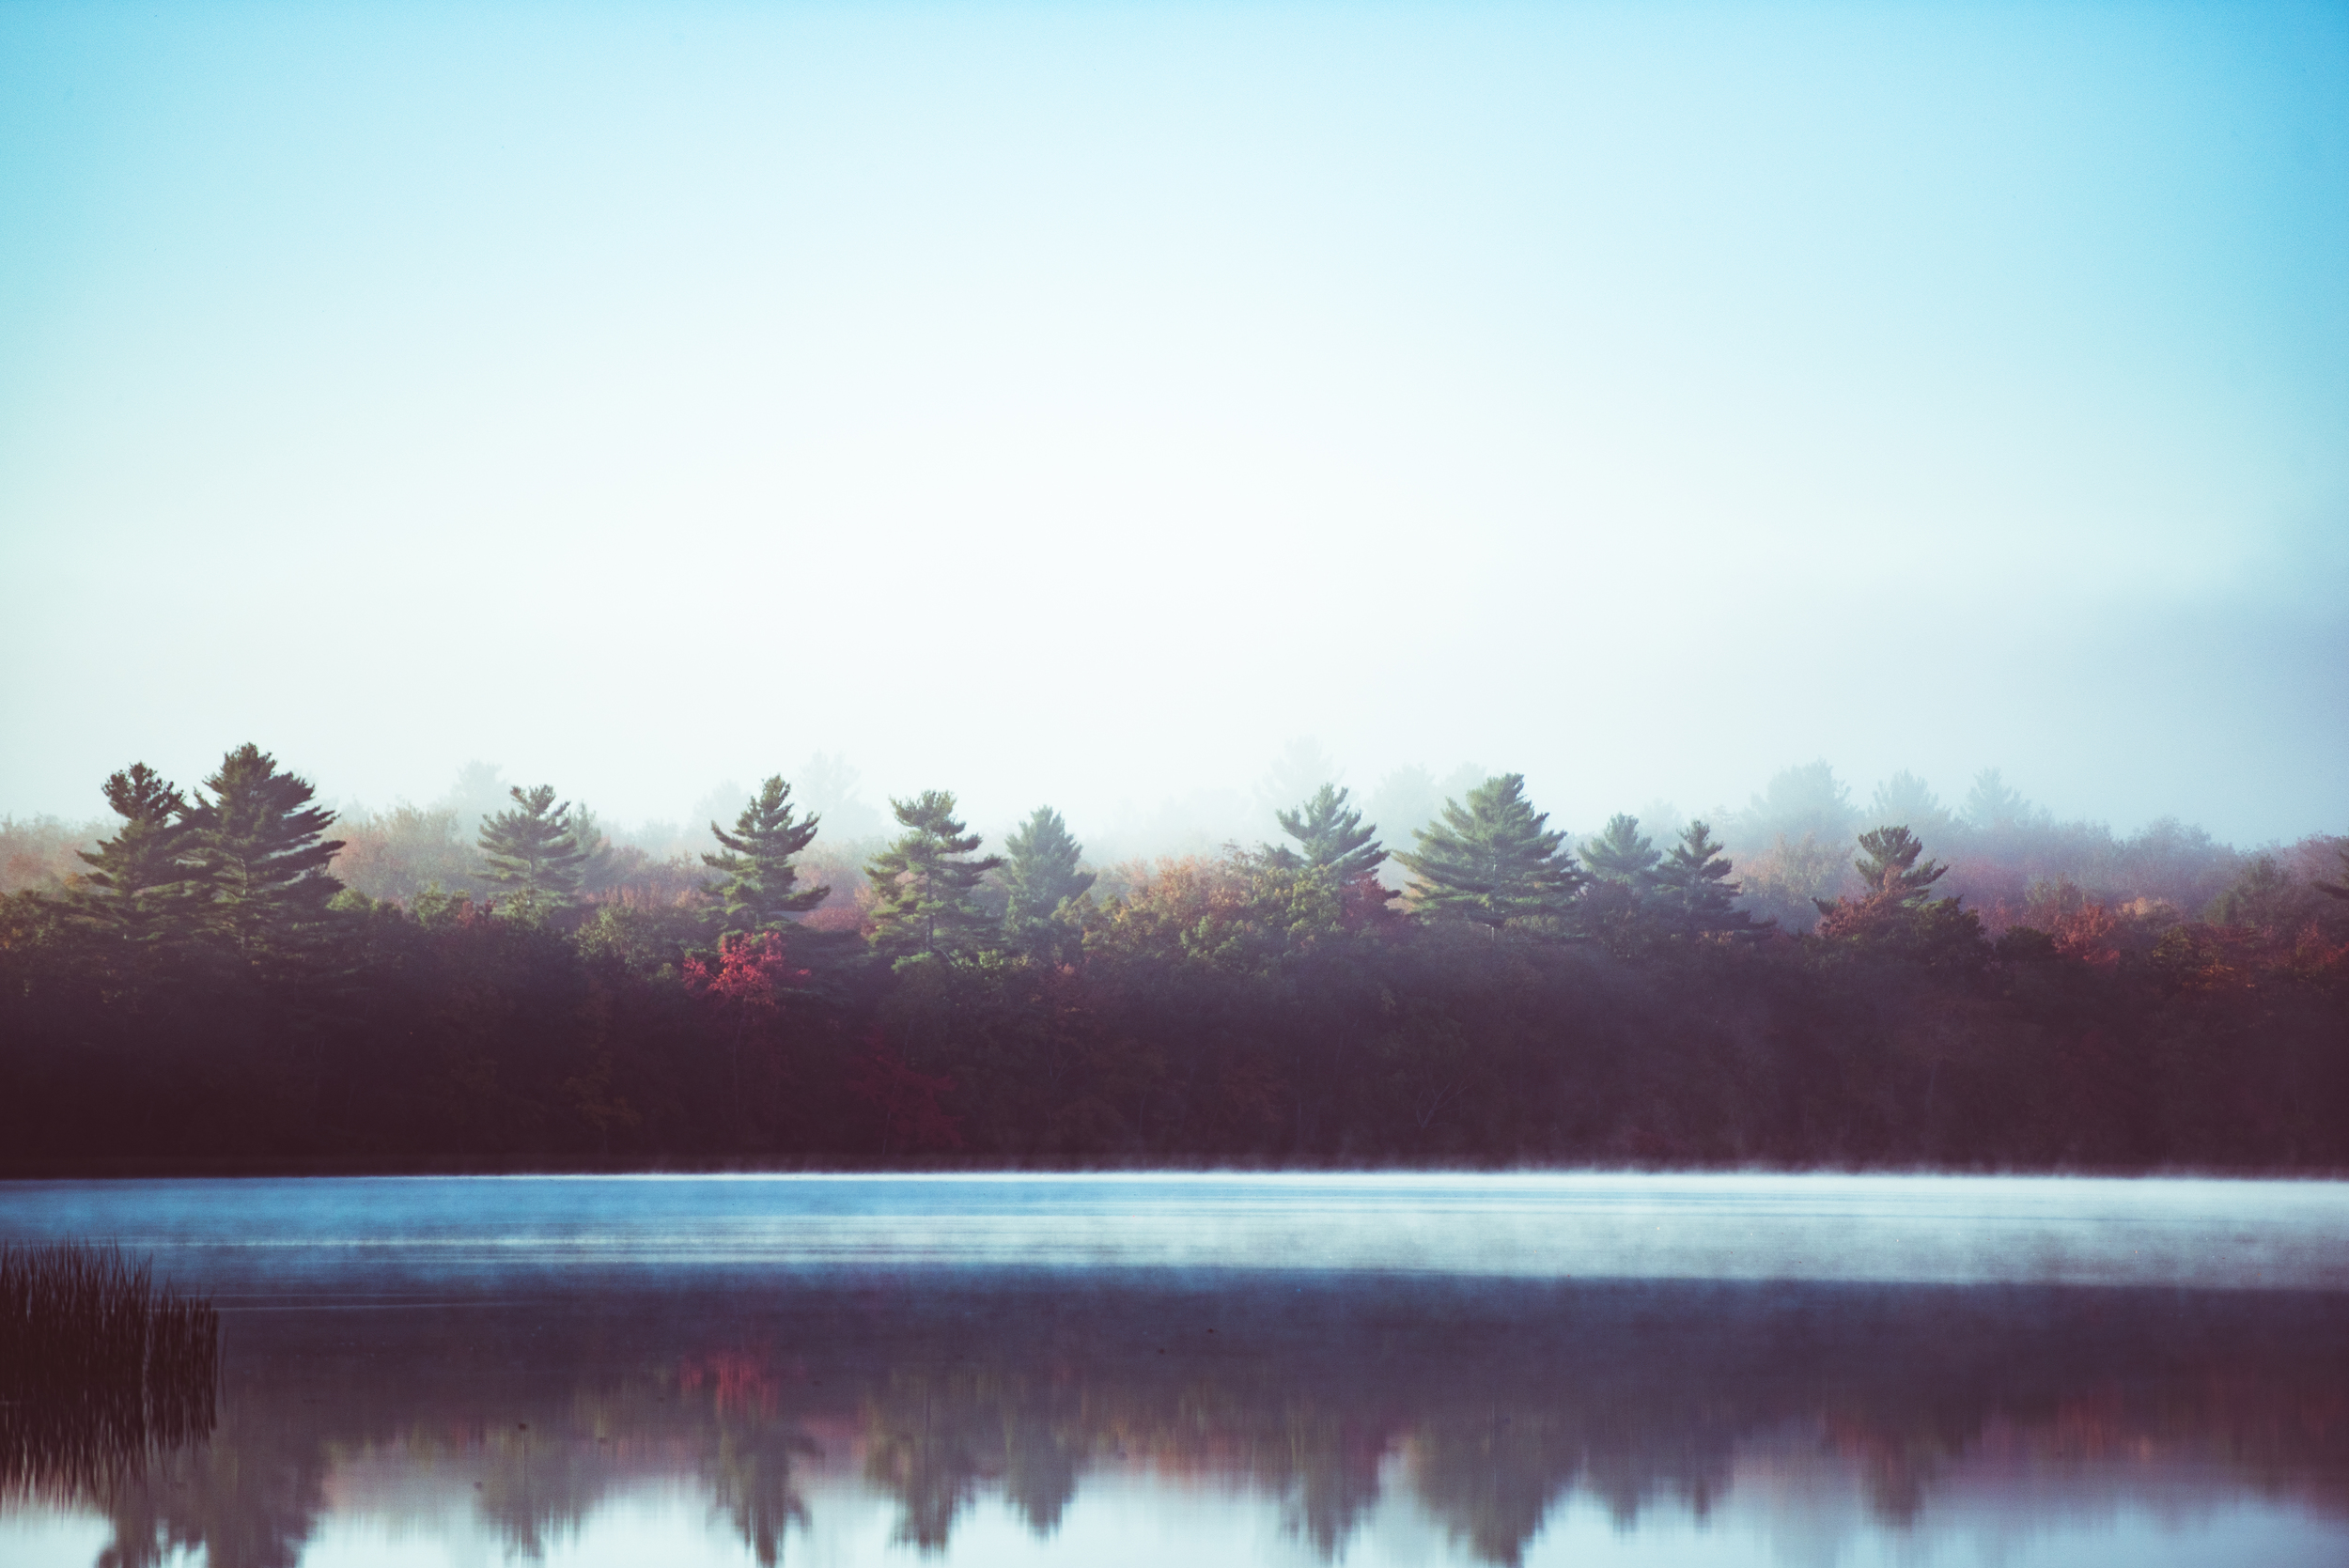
(1040, 874)
(924, 882)
(530, 849)
(1898, 913)
(1693, 892)
(1492, 859)
(1993, 803)
(1623, 854)
(1888, 865)
(756, 871)
(1331, 835)
(260, 852)
(139, 881)
(599, 863)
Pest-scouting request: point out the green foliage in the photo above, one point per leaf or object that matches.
(1896, 914)
(140, 883)
(1332, 837)
(1888, 865)
(1622, 853)
(1692, 890)
(756, 884)
(1218, 1008)
(1041, 882)
(1492, 859)
(1693, 893)
(530, 850)
(261, 851)
(924, 883)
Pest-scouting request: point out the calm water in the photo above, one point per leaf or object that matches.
(1188, 1369)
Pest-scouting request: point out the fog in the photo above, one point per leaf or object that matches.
(1110, 407)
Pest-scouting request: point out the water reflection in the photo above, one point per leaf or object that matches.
(1487, 1412)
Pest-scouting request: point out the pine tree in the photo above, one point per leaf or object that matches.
(599, 864)
(1897, 913)
(260, 852)
(1905, 797)
(1040, 874)
(756, 874)
(139, 881)
(530, 849)
(1693, 892)
(1993, 803)
(1623, 854)
(1492, 859)
(1332, 836)
(1889, 867)
(924, 882)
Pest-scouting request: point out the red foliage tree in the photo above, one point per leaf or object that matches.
(744, 985)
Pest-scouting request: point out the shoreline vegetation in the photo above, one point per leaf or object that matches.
(101, 1371)
(209, 994)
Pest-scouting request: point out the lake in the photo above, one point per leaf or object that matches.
(1188, 1369)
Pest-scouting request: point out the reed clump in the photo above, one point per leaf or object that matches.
(100, 1367)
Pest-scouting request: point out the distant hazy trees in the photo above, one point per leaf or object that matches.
(205, 988)
(755, 887)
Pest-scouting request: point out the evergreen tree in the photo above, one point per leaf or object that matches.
(1623, 854)
(1905, 797)
(1332, 837)
(1888, 865)
(599, 864)
(1693, 891)
(1993, 803)
(1040, 874)
(924, 881)
(260, 852)
(1492, 859)
(139, 883)
(530, 849)
(1897, 914)
(756, 871)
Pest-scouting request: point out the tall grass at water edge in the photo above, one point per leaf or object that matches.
(100, 1367)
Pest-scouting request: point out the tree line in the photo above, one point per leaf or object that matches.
(206, 991)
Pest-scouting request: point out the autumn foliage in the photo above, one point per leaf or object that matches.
(1255, 1006)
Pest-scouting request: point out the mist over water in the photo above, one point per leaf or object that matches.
(1959, 1231)
(548, 432)
(1261, 1369)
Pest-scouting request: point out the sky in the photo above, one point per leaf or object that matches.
(1080, 403)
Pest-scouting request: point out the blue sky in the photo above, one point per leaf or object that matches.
(1075, 403)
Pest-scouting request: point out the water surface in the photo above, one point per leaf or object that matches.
(1371, 1370)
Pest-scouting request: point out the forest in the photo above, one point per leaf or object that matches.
(232, 978)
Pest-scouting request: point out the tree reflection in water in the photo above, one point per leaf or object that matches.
(1485, 1403)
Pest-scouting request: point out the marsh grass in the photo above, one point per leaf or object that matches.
(99, 1369)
